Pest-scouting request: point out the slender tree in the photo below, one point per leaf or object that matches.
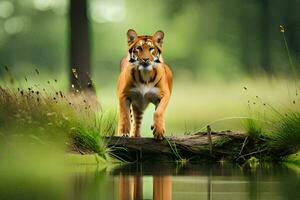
(79, 46)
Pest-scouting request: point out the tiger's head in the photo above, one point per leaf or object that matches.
(145, 51)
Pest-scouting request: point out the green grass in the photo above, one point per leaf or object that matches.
(253, 128)
(50, 116)
(280, 125)
(286, 131)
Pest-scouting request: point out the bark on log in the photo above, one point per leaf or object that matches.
(226, 145)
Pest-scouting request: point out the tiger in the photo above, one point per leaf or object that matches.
(144, 78)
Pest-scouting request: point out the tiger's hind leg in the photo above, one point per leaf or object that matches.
(137, 116)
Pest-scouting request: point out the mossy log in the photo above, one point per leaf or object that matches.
(225, 145)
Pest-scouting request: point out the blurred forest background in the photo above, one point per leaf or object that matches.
(215, 48)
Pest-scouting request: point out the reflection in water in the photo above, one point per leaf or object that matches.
(131, 187)
(158, 181)
(209, 186)
(194, 181)
(162, 187)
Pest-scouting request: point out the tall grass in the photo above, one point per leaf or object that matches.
(283, 127)
(254, 128)
(283, 131)
(52, 116)
(286, 128)
(286, 131)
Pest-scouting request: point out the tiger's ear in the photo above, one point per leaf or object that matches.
(158, 37)
(131, 36)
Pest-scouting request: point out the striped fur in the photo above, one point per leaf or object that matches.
(137, 117)
(144, 79)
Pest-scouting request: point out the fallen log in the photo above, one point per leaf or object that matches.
(225, 145)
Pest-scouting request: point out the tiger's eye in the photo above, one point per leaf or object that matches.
(151, 48)
(139, 48)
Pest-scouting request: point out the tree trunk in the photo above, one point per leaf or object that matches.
(79, 46)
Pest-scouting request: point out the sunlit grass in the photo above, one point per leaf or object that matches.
(49, 116)
(194, 104)
(279, 126)
(286, 132)
(253, 128)
(279, 132)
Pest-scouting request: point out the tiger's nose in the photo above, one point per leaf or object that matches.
(145, 60)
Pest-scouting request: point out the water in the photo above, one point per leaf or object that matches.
(189, 182)
(160, 181)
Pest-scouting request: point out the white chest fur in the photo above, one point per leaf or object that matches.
(142, 94)
(145, 89)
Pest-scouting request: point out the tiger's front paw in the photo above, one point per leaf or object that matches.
(123, 131)
(158, 132)
(124, 134)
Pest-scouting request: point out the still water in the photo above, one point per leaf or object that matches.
(188, 182)
(160, 181)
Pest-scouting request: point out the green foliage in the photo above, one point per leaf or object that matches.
(279, 129)
(286, 131)
(253, 128)
(47, 117)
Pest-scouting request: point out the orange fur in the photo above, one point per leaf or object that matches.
(131, 187)
(144, 79)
